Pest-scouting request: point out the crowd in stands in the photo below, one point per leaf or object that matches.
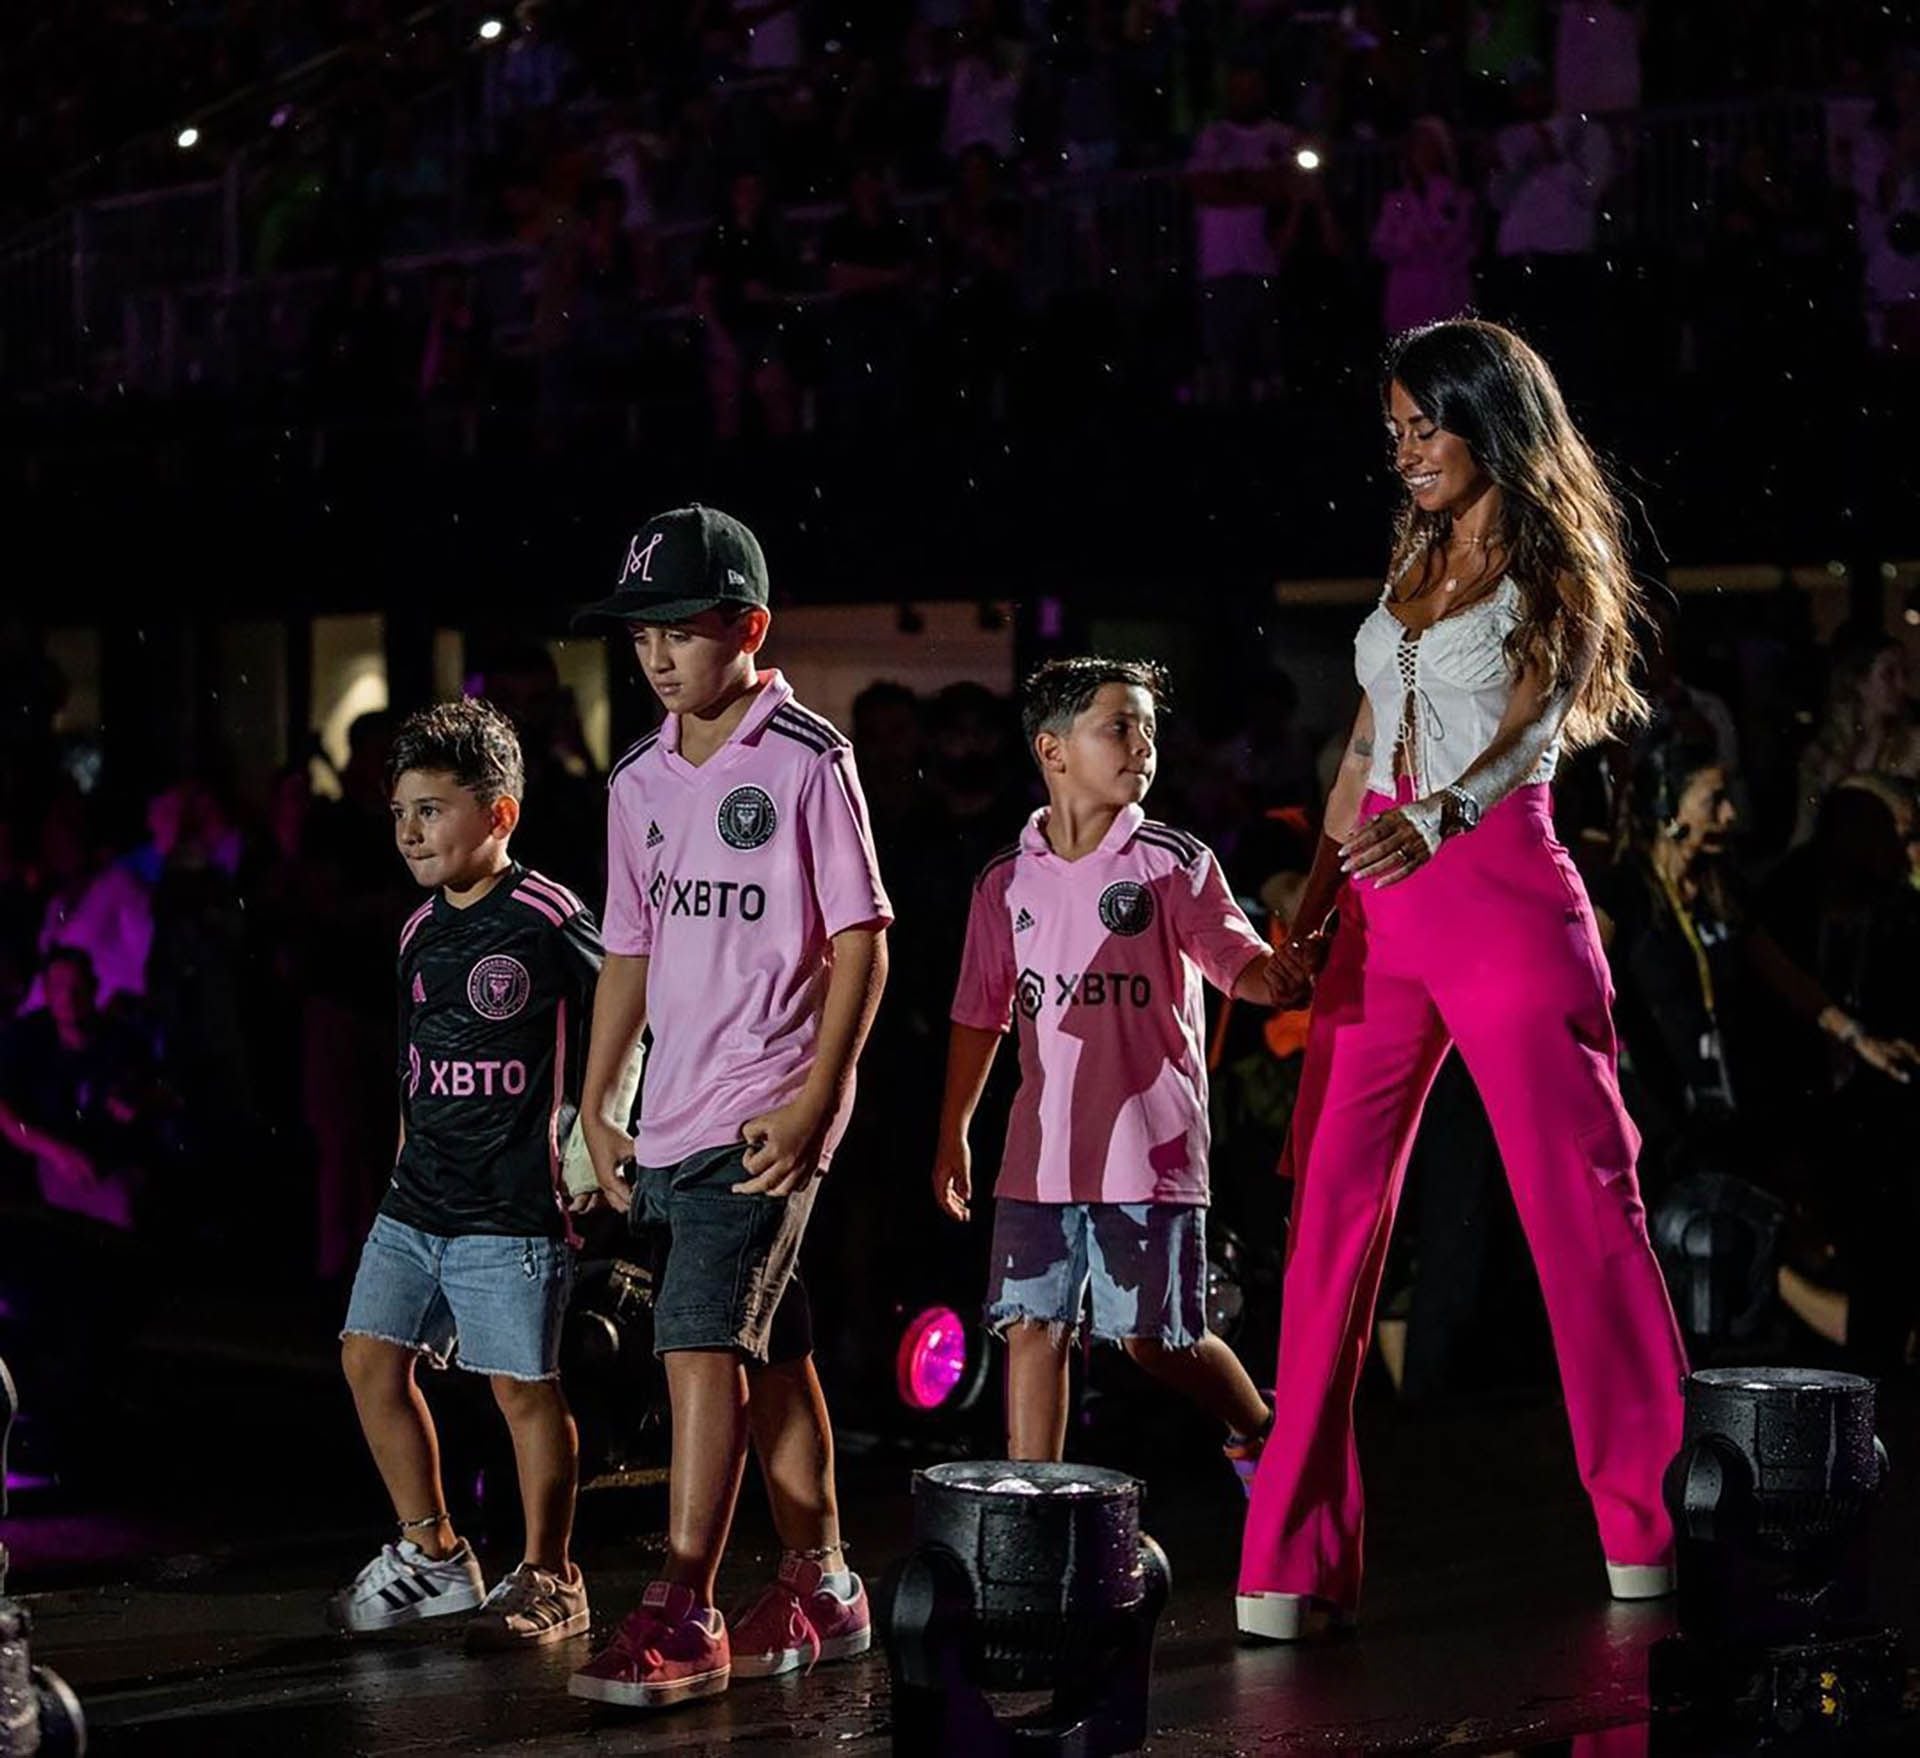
(802, 214)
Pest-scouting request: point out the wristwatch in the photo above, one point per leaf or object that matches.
(1462, 810)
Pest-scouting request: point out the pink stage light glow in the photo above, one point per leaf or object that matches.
(932, 1359)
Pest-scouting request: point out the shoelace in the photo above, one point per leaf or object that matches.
(387, 1567)
(640, 1634)
(518, 1590)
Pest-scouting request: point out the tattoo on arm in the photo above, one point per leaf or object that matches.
(1362, 747)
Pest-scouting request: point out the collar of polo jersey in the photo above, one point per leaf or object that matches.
(1034, 838)
(773, 691)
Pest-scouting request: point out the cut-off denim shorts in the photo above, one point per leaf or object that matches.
(492, 1302)
(1141, 1266)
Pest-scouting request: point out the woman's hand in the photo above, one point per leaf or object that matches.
(1295, 968)
(1394, 845)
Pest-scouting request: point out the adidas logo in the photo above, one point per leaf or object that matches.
(1022, 922)
(654, 838)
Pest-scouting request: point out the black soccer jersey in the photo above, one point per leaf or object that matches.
(496, 1005)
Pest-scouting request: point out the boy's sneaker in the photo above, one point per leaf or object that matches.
(403, 1584)
(669, 1651)
(530, 1607)
(1243, 1451)
(799, 1621)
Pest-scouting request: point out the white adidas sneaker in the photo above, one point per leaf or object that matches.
(529, 1608)
(403, 1585)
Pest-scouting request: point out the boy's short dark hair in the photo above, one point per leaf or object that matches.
(470, 739)
(1063, 689)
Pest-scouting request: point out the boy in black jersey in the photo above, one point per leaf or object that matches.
(471, 1245)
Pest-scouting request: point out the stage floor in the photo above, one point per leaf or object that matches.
(1486, 1629)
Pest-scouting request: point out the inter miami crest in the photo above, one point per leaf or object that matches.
(747, 818)
(1030, 993)
(498, 987)
(1126, 908)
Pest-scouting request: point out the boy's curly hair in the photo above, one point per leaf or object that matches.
(470, 739)
(1063, 689)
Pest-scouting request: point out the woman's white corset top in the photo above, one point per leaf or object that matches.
(1441, 694)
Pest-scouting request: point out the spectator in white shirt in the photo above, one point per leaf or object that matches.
(1550, 175)
(1238, 173)
(983, 97)
(774, 43)
(1886, 183)
(1427, 233)
(1596, 57)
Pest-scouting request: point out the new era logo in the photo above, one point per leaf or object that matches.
(419, 991)
(1022, 922)
(735, 577)
(654, 838)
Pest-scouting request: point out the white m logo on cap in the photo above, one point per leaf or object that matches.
(640, 561)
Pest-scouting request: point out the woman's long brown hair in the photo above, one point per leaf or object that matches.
(1561, 526)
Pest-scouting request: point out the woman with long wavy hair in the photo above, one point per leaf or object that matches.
(1504, 635)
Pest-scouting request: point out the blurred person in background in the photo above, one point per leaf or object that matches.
(1699, 979)
(739, 294)
(1427, 233)
(1867, 726)
(79, 1097)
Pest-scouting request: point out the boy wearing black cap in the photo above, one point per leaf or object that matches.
(746, 925)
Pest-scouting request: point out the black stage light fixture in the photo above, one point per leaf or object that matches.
(1717, 1238)
(1771, 1496)
(39, 1715)
(1023, 1577)
(607, 1364)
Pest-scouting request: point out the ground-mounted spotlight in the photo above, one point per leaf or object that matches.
(1023, 1577)
(1717, 1239)
(1308, 159)
(940, 1364)
(1771, 1495)
(39, 1715)
(491, 30)
(607, 1363)
(187, 139)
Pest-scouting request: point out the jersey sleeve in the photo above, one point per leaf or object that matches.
(983, 997)
(1213, 929)
(579, 955)
(628, 928)
(846, 871)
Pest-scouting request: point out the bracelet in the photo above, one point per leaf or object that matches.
(424, 1520)
(1849, 1031)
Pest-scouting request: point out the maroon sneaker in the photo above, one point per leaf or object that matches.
(799, 1621)
(668, 1651)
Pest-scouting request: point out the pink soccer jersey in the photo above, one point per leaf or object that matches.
(733, 877)
(1103, 958)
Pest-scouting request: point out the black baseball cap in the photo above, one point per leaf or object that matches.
(679, 564)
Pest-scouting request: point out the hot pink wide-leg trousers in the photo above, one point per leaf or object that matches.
(1491, 947)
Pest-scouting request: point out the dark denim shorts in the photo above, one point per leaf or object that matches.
(730, 1273)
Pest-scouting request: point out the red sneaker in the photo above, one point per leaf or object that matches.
(798, 1621)
(668, 1651)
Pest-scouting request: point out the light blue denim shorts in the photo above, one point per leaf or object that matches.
(493, 1303)
(1142, 1267)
